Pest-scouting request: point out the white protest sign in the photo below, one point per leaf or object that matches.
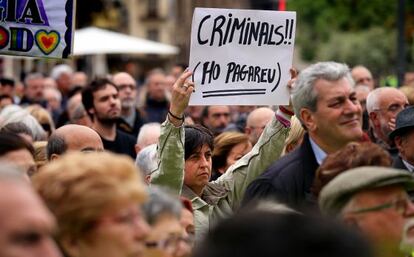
(39, 28)
(241, 57)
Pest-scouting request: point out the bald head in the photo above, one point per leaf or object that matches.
(256, 121)
(362, 76)
(122, 78)
(73, 138)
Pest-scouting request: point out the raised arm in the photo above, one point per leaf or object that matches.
(267, 150)
(170, 171)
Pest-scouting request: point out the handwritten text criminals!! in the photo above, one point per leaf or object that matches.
(229, 29)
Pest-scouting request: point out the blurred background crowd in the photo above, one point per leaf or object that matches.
(100, 155)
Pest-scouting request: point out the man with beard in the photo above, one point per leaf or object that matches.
(102, 104)
(131, 119)
(383, 105)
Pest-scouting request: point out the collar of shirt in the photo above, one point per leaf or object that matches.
(408, 165)
(320, 155)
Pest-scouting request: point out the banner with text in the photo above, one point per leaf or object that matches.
(241, 57)
(38, 28)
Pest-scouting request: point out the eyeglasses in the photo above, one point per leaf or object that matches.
(393, 108)
(125, 86)
(170, 242)
(399, 205)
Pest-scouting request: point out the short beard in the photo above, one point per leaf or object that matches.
(107, 122)
(128, 104)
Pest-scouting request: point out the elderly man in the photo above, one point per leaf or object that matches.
(383, 105)
(62, 74)
(324, 100)
(362, 76)
(26, 226)
(403, 137)
(256, 122)
(374, 200)
(148, 135)
(131, 118)
(154, 100)
(33, 90)
(73, 138)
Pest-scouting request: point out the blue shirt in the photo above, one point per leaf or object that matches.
(320, 155)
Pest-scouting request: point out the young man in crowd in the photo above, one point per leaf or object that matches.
(103, 106)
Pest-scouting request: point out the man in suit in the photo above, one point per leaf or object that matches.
(325, 102)
(403, 137)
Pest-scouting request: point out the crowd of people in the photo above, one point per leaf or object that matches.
(111, 167)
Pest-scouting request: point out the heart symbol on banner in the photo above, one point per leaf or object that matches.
(47, 41)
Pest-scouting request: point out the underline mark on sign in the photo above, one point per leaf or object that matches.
(234, 92)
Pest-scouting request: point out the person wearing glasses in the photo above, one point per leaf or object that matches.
(168, 237)
(375, 201)
(96, 199)
(383, 105)
(131, 118)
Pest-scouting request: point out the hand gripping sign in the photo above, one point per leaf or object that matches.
(40, 28)
(241, 57)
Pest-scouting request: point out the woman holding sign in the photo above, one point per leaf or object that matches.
(185, 160)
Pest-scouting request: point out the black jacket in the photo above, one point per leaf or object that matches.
(133, 131)
(288, 180)
(398, 164)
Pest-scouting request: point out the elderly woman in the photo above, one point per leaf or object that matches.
(167, 237)
(186, 163)
(96, 200)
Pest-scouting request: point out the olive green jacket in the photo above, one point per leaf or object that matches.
(222, 197)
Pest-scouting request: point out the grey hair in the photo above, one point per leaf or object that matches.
(32, 76)
(146, 130)
(55, 145)
(147, 160)
(14, 113)
(17, 128)
(59, 70)
(373, 98)
(304, 95)
(55, 92)
(161, 203)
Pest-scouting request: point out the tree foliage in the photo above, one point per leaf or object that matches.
(351, 31)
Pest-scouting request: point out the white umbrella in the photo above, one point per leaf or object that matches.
(95, 41)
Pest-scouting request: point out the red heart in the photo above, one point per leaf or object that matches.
(47, 41)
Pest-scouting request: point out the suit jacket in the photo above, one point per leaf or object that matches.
(398, 164)
(287, 180)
